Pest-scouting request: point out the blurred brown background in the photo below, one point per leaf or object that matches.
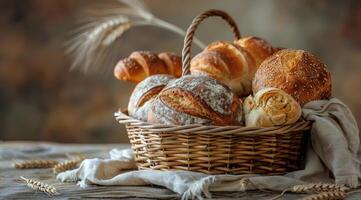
(40, 99)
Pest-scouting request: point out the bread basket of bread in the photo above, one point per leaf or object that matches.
(235, 108)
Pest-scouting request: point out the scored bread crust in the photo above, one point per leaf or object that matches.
(173, 62)
(227, 63)
(297, 72)
(144, 93)
(150, 63)
(142, 64)
(258, 48)
(196, 99)
(129, 70)
(234, 64)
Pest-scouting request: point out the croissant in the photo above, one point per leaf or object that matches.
(233, 64)
(141, 64)
(271, 107)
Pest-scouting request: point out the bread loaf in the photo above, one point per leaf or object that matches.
(141, 64)
(144, 94)
(257, 48)
(195, 99)
(271, 107)
(234, 64)
(297, 72)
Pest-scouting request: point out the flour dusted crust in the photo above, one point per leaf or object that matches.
(297, 72)
(144, 93)
(196, 99)
(160, 113)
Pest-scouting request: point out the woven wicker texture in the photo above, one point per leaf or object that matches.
(216, 149)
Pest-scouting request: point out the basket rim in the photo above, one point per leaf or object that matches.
(123, 118)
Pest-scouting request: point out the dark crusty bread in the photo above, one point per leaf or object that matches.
(195, 99)
(297, 72)
(144, 93)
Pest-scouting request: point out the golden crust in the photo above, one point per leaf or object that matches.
(271, 107)
(258, 48)
(231, 55)
(141, 64)
(234, 64)
(129, 70)
(211, 64)
(173, 63)
(150, 62)
(297, 72)
(227, 63)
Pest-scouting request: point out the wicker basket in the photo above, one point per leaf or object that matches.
(215, 149)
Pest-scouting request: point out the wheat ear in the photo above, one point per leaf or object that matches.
(326, 196)
(37, 185)
(314, 188)
(67, 165)
(93, 44)
(318, 188)
(29, 164)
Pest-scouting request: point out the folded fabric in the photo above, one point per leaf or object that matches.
(332, 149)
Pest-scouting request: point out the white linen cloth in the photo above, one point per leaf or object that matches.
(333, 149)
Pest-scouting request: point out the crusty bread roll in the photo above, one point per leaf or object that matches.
(141, 64)
(144, 93)
(195, 99)
(297, 72)
(173, 63)
(232, 64)
(258, 48)
(271, 107)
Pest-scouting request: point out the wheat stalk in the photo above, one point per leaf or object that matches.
(37, 185)
(318, 188)
(326, 196)
(67, 165)
(35, 164)
(315, 188)
(93, 45)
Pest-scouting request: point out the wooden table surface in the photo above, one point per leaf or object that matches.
(11, 186)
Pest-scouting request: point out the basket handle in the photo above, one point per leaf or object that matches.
(186, 52)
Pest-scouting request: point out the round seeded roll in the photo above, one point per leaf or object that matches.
(195, 99)
(144, 94)
(271, 107)
(297, 72)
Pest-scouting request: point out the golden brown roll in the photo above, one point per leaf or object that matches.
(271, 107)
(196, 100)
(144, 94)
(258, 48)
(232, 64)
(173, 63)
(141, 64)
(297, 72)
